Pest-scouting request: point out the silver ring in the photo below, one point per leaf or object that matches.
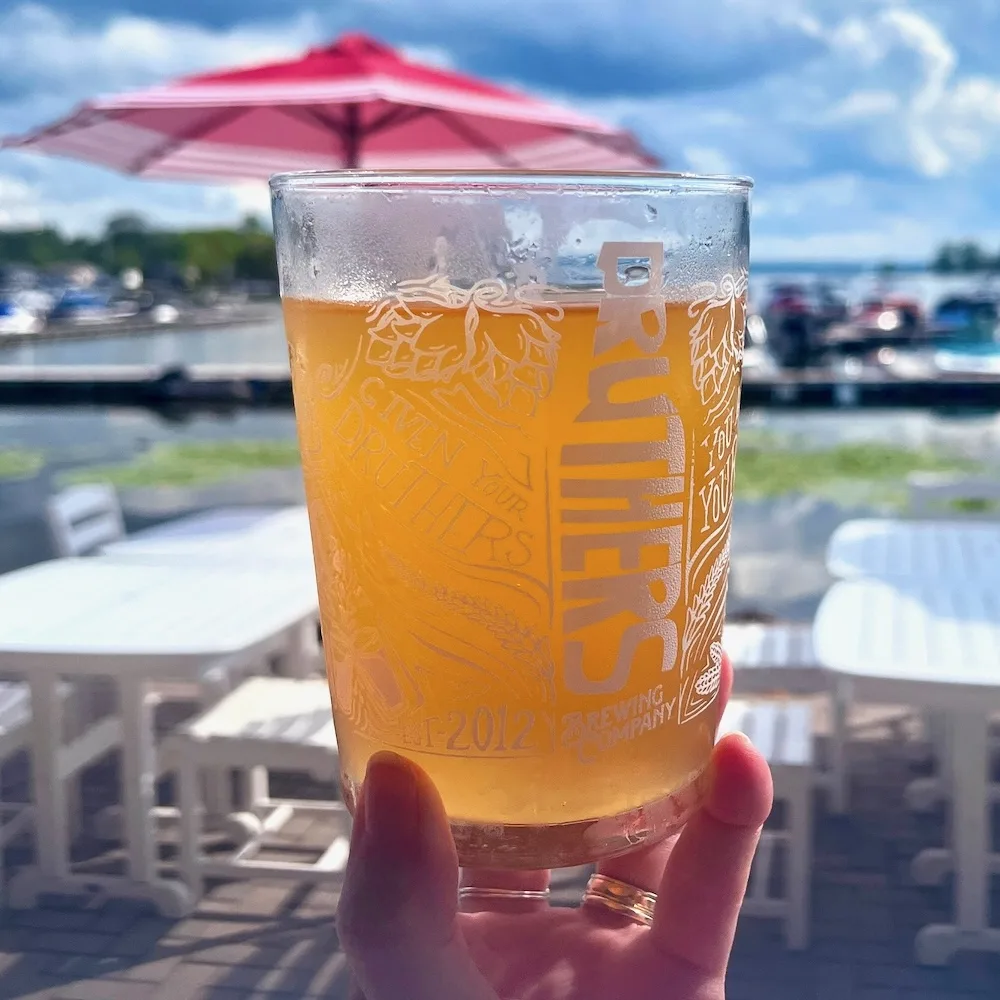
(487, 892)
(619, 896)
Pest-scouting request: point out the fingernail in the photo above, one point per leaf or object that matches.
(392, 811)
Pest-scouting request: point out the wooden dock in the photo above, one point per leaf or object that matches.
(269, 386)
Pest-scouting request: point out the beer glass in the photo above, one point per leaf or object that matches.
(517, 402)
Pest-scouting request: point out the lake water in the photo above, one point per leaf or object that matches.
(777, 544)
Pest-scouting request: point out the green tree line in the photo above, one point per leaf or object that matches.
(964, 257)
(196, 256)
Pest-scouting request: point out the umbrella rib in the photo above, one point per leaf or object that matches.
(326, 121)
(201, 128)
(616, 143)
(394, 117)
(343, 129)
(474, 137)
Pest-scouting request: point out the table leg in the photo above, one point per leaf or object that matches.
(970, 829)
(138, 779)
(49, 790)
(969, 820)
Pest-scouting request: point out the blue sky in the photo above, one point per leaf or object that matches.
(872, 127)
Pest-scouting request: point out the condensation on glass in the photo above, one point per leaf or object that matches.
(517, 405)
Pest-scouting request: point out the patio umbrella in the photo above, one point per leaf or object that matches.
(357, 103)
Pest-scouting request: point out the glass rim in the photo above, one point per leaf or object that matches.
(470, 181)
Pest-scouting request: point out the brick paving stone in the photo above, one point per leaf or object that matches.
(72, 942)
(104, 989)
(142, 939)
(257, 954)
(333, 980)
(51, 919)
(139, 971)
(193, 982)
(198, 929)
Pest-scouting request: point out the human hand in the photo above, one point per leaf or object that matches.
(407, 939)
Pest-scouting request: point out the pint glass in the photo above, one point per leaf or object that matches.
(517, 399)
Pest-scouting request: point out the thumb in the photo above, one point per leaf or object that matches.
(398, 911)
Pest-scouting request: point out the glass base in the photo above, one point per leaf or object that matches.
(565, 845)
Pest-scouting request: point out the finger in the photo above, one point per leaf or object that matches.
(397, 918)
(703, 886)
(644, 868)
(726, 683)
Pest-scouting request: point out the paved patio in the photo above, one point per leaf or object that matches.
(271, 940)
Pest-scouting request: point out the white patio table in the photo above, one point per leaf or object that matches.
(136, 623)
(893, 548)
(935, 644)
(250, 536)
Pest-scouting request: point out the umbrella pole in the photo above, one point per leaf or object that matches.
(351, 136)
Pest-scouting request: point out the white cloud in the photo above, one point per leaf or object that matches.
(51, 53)
(243, 199)
(819, 197)
(79, 199)
(707, 160)
(20, 206)
(879, 239)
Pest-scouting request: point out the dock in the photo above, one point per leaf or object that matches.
(269, 386)
(152, 386)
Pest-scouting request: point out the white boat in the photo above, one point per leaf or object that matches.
(15, 319)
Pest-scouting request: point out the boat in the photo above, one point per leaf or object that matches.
(884, 321)
(83, 306)
(16, 319)
(963, 341)
(796, 317)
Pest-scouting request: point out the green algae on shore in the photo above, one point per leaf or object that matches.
(17, 463)
(768, 466)
(194, 464)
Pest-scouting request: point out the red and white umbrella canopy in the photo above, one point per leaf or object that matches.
(357, 103)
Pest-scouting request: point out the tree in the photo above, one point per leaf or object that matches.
(962, 257)
(131, 223)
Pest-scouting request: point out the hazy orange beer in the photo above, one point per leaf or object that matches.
(517, 401)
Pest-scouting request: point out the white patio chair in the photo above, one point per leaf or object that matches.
(783, 733)
(266, 723)
(778, 658)
(83, 518)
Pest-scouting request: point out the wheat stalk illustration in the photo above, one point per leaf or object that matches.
(703, 603)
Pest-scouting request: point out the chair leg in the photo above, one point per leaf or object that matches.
(838, 777)
(258, 787)
(190, 824)
(937, 736)
(799, 870)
